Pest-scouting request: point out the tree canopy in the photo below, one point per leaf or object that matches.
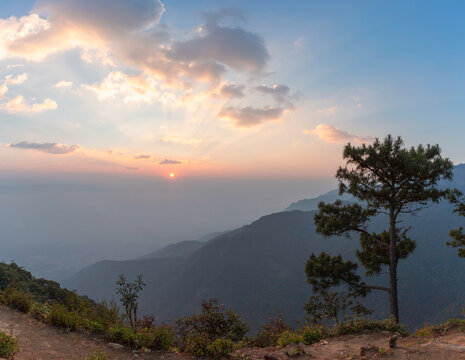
(385, 178)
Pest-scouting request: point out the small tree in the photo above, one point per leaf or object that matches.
(390, 180)
(457, 235)
(129, 293)
(333, 305)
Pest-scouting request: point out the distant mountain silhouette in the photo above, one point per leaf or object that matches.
(180, 249)
(259, 269)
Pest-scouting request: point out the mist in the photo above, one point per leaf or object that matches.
(55, 224)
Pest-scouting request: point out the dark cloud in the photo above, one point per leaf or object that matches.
(232, 91)
(49, 148)
(234, 47)
(109, 17)
(142, 156)
(170, 162)
(249, 116)
(131, 168)
(280, 93)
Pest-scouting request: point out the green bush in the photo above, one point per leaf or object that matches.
(17, 299)
(39, 311)
(220, 348)
(269, 334)
(288, 337)
(122, 335)
(215, 321)
(9, 346)
(313, 334)
(358, 326)
(96, 328)
(158, 338)
(196, 344)
(59, 316)
(96, 355)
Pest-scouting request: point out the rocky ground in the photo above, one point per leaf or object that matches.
(41, 342)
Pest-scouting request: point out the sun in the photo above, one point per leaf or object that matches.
(172, 175)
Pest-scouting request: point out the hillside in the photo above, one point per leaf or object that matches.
(39, 341)
(259, 270)
(180, 249)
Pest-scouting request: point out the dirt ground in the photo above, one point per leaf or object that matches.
(39, 341)
(450, 346)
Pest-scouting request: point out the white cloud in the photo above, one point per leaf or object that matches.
(19, 105)
(128, 33)
(131, 88)
(332, 134)
(63, 84)
(175, 139)
(328, 111)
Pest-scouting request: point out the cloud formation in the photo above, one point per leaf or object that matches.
(128, 33)
(49, 148)
(131, 88)
(232, 91)
(332, 134)
(170, 162)
(234, 47)
(174, 139)
(280, 93)
(328, 111)
(63, 84)
(20, 105)
(142, 156)
(250, 116)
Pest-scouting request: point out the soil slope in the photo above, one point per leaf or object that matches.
(39, 341)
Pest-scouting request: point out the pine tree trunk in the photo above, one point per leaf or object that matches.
(393, 267)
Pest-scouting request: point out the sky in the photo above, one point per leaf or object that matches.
(246, 103)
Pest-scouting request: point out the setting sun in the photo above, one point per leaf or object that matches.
(172, 175)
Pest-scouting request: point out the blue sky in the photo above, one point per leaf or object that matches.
(348, 71)
(247, 103)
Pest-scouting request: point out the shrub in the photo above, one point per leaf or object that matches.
(288, 337)
(158, 338)
(215, 321)
(59, 316)
(313, 334)
(96, 328)
(269, 334)
(39, 311)
(18, 300)
(96, 355)
(122, 335)
(220, 348)
(9, 346)
(357, 326)
(196, 344)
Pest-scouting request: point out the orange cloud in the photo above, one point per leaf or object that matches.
(332, 134)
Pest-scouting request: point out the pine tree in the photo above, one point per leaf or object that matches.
(386, 179)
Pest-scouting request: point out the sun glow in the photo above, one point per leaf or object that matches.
(172, 175)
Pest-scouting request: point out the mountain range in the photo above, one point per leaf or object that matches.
(258, 269)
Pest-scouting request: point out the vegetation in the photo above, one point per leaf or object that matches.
(129, 293)
(387, 179)
(96, 355)
(269, 334)
(9, 346)
(213, 332)
(457, 235)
